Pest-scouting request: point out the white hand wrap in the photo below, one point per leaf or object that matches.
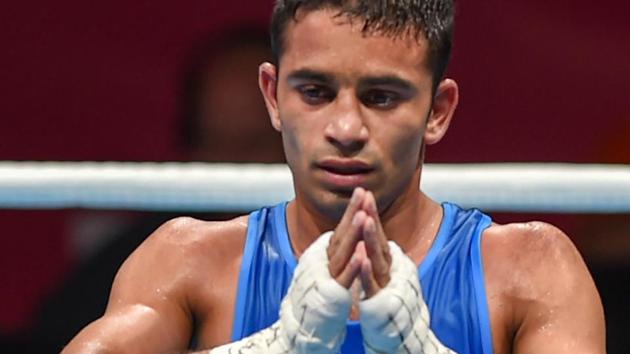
(396, 319)
(312, 315)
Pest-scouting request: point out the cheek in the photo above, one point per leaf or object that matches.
(291, 145)
(401, 135)
(301, 132)
(406, 146)
(288, 116)
(295, 141)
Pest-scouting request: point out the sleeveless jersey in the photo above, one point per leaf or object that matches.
(451, 276)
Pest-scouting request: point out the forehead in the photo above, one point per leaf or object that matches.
(321, 40)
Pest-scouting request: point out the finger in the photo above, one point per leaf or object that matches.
(377, 251)
(368, 282)
(369, 205)
(350, 271)
(340, 255)
(346, 220)
(356, 200)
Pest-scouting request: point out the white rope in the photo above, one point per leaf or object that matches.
(244, 187)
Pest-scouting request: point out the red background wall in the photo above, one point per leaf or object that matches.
(540, 81)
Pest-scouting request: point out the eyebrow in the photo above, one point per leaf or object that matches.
(390, 81)
(310, 75)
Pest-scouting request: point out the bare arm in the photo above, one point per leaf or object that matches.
(558, 309)
(147, 310)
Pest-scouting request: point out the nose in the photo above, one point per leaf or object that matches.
(346, 129)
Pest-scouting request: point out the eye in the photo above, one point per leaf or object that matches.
(380, 99)
(315, 94)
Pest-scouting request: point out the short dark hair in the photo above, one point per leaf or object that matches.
(433, 19)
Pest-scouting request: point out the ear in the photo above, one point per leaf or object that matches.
(444, 104)
(268, 83)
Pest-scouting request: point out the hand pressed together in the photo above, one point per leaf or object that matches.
(359, 246)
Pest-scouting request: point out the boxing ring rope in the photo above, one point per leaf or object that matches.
(512, 187)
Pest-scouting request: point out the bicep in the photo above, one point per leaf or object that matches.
(566, 315)
(130, 329)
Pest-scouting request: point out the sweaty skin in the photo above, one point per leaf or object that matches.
(354, 110)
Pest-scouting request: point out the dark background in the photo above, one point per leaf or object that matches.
(540, 81)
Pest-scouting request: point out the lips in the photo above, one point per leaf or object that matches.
(344, 173)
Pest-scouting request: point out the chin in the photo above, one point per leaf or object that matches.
(331, 204)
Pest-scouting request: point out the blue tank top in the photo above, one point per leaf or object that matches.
(451, 276)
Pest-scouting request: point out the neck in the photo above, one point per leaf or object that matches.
(412, 223)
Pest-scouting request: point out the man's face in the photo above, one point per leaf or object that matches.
(352, 109)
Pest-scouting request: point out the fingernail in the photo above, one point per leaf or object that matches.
(355, 219)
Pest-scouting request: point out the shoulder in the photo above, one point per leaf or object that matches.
(538, 277)
(531, 258)
(191, 235)
(193, 242)
(184, 252)
(529, 244)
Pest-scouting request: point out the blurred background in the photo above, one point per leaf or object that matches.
(170, 81)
